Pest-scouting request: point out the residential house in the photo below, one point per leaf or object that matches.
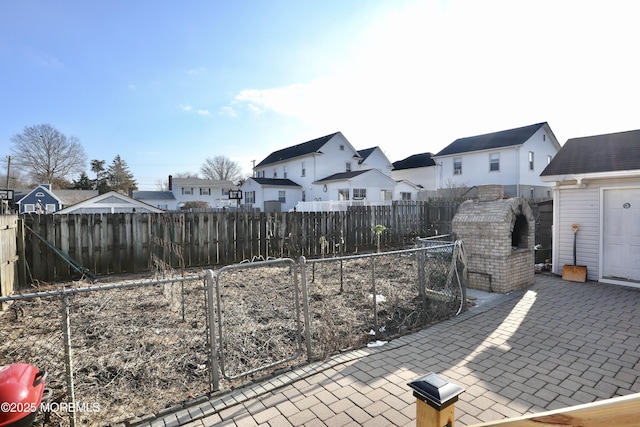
(213, 192)
(271, 194)
(325, 169)
(43, 199)
(40, 200)
(512, 158)
(419, 170)
(374, 158)
(111, 202)
(164, 200)
(597, 187)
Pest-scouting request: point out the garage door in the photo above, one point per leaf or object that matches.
(621, 234)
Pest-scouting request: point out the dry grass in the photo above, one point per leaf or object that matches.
(138, 350)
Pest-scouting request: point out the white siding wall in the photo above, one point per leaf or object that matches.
(377, 160)
(475, 169)
(577, 206)
(425, 176)
(540, 143)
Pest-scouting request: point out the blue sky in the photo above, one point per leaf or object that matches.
(167, 84)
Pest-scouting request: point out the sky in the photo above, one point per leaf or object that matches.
(166, 85)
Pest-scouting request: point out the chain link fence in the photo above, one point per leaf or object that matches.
(120, 351)
(136, 348)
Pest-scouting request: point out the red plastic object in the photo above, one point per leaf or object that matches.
(21, 389)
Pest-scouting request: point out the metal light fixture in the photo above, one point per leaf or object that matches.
(435, 391)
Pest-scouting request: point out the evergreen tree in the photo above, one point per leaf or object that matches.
(83, 182)
(119, 177)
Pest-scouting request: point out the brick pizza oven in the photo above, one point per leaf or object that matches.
(498, 236)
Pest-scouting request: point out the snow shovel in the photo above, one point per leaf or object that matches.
(574, 273)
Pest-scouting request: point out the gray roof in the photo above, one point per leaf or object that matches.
(505, 138)
(343, 175)
(414, 161)
(297, 150)
(365, 153)
(601, 153)
(281, 182)
(153, 195)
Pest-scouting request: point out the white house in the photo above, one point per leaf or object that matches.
(407, 191)
(418, 169)
(374, 158)
(271, 194)
(164, 200)
(512, 158)
(597, 187)
(213, 192)
(321, 170)
(111, 202)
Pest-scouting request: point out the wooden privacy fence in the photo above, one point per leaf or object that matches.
(127, 243)
(9, 231)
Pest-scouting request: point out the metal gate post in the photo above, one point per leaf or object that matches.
(214, 371)
(305, 306)
(66, 332)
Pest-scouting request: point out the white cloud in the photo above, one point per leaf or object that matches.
(433, 72)
(203, 112)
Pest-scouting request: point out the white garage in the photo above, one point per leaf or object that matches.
(597, 187)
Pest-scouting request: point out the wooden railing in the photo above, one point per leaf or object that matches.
(619, 412)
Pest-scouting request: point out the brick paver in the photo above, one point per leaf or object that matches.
(552, 345)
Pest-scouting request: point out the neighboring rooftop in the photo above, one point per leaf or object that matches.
(414, 161)
(343, 175)
(275, 181)
(297, 150)
(505, 138)
(154, 195)
(600, 153)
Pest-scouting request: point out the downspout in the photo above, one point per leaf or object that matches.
(517, 171)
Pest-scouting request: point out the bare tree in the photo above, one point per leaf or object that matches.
(454, 191)
(221, 168)
(47, 155)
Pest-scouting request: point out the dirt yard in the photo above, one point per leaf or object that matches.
(136, 351)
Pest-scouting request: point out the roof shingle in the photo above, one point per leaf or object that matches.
(600, 153)
(505, 138)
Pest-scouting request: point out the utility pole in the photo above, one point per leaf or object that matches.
(8, 169)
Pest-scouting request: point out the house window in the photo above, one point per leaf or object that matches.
(341, 147)
(275, 173)
(304, 196)
(348, 167)
(29, 207)
(225, 192)
(359, 193)
(282, 196)
(405, 195)
(187, 190)
(532, 192)
(544, 137)
(494, 162)
(284, 173)
(548, 159)
(249, 197)
(304, 171)
(50, 208)
(530, 160)
(457, 166)
(205, 191)
(343, 194)
(386, 194)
